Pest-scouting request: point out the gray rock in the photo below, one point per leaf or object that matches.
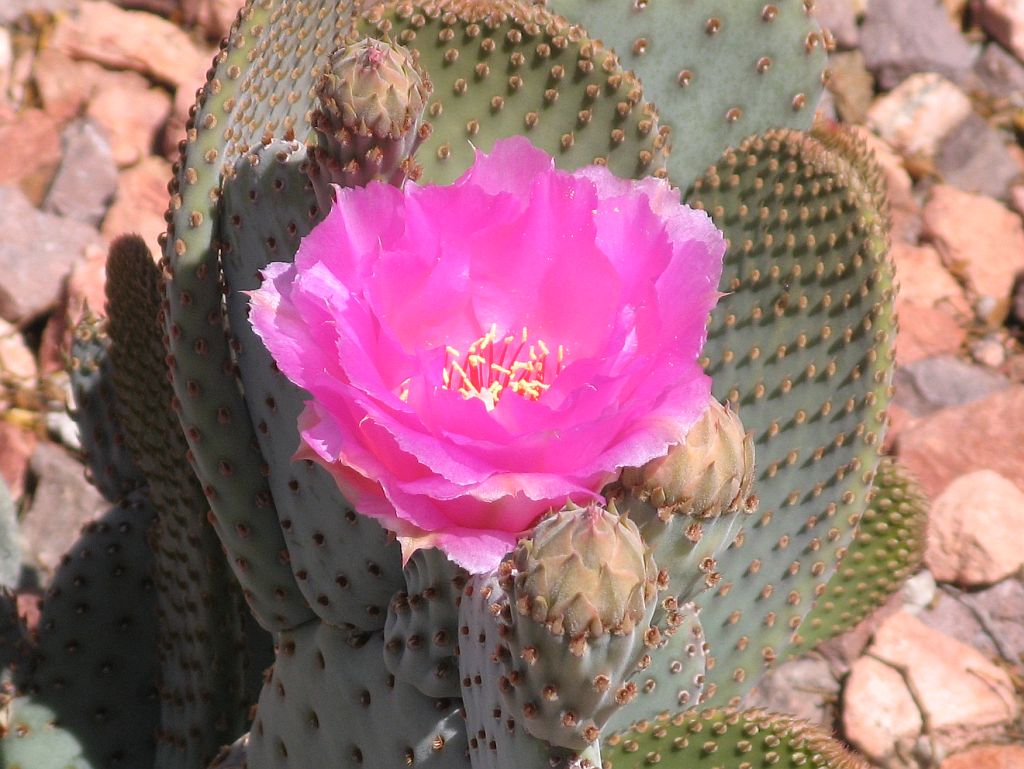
(803, 687)
(999, 74)
(951, 617)
(1000, 609)
(840, 18)
(927, 385)
(900, 37)
(63, 501)
(975, 157)
(87, 177)
(37, 251)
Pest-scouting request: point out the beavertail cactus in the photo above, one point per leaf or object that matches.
(708, 473)
(434, 267)
(368, 110)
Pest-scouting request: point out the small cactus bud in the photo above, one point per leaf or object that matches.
(367, 114)
(710, 472)
(585, 572)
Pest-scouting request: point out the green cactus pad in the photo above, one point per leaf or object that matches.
(671, 676)
(504, 68)
(724, 739)
(331, 702)
(421, 633)
(719, 70)
(97, 650)
(888, 548)
(208, 402)
(202, 671)
(111, 468)
(802, 345)
(31, 739)
(346, 565)
(497, 739)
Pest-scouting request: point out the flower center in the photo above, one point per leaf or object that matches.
(495, 365)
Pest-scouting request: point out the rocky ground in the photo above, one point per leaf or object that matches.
(90, 115)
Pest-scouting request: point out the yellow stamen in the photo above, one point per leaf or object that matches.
(492, 365)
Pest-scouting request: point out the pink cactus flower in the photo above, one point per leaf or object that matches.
(478, 353)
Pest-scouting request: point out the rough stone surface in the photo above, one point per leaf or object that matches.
(132, 118)
(87, 177)
(928, 385)
(140, 202)
(949, 615)
(879, 714)
(987, 757)
(1000, 75)
(976, 157)
(901, 38)
(840, 18)
(964, 696)
(66, 86)
(101, 32)
(1000, 609)
(952, 442)
(37, 136)
(977, 237)
(63, 501)
(1004, 20)
(974, 530)
(851, 86)
(805, 688)
(925, 281)
(916, 115)
(17, 362)
(37, 252)
(926, 332)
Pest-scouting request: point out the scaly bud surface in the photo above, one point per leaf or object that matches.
(709, 473)
(367, 114)
(585, 572)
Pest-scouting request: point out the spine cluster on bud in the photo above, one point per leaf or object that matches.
(367, 116)
(575, 617)
(710, 472)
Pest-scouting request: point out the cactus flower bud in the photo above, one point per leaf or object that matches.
(708, 473)
(367, 114)
(584, 572)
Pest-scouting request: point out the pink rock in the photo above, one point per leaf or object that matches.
(32, 166)
(976, 236)
(925, 281)
(119, 39)
(964, 696)
(17, 362)
(985, 434)
(879, 714)
(987, 757)
(1004, 20)
(16, 446)
(925, 332)
(85, 287)
(916, 115)
(140, 202)
(1017, 198)
(974, 530)
(132, 118)
(66, 86)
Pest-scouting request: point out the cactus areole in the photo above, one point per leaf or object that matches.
(478, 353)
